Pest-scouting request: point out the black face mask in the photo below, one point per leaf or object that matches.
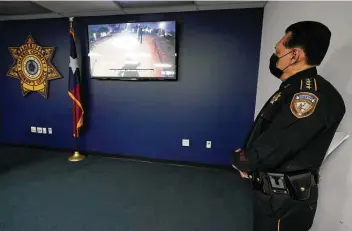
(274, 59)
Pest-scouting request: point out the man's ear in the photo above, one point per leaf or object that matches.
(296, 55)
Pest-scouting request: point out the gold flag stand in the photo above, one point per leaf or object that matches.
(76, 157)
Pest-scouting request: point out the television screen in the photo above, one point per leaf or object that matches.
(141, 50)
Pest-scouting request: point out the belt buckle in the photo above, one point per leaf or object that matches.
(277, 183)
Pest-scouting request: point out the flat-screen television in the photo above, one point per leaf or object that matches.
(133, 51)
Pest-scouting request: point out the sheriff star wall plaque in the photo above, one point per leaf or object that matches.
(32, 66)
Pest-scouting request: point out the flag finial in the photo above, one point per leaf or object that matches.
(71, 21)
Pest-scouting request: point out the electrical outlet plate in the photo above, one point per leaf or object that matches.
(39, 130)
(208, 144)
(50, 130)
(33, 129)
(185, 142)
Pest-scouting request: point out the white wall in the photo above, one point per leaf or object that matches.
(335, 201)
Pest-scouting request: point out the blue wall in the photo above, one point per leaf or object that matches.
(213, 99)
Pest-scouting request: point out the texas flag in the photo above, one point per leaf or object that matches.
(74, 90)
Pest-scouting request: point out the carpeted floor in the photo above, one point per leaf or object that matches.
(41, 191)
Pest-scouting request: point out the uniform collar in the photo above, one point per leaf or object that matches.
(296, 78)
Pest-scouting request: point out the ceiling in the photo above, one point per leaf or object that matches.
(19, 10)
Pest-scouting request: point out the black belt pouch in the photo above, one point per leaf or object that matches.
(300, 185)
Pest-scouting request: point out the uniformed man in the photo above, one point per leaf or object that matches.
(292, 133)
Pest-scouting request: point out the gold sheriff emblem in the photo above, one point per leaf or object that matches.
(32, 66)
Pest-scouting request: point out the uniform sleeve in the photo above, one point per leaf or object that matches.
(301, 118)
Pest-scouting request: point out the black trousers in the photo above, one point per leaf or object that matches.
(280, 212)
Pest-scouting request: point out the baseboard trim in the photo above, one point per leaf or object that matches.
(122, 156)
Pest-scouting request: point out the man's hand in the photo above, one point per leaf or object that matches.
(243, 174)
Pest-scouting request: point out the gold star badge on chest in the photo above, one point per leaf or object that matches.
(275, 97)
(32, 66)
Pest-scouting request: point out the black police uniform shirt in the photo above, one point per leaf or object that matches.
(294, 129)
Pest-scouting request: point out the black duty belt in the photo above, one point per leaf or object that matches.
(297, 185)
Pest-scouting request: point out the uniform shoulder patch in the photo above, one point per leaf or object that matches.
(303, 104)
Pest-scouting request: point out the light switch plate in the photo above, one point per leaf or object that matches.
(39, 130)
(33, 129)
(44, 130)
(50, 130)
(185, 142)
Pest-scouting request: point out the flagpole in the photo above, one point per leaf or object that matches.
(77, 156)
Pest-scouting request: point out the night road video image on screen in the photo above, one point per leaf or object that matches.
(133, 50)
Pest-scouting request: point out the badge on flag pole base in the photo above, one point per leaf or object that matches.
(76, 157)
